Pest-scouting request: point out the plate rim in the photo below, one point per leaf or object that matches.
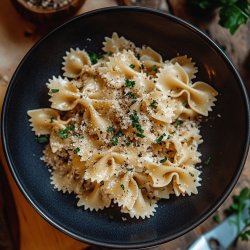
(144, 244)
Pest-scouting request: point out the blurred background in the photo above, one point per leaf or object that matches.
(24, 22)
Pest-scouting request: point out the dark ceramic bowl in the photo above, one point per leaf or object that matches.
(226, 138)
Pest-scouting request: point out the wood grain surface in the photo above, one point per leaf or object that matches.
(17, 36)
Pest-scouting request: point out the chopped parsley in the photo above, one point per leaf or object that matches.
(111, 217)
(160, 138)
(132, 103)
(184, 103)
(63, 133)
(129, 169)
(94, 57)
(208, 160)
(114, 141)
(110, 129)
(52, 119)
(140, 135)
(129, 83)
(136, 124)
(128, 143)
(216, 218)
(122, 186)
(119, 134)
(178, 123)
(42, 139)
(54, 90)
(131, 95)
(163, 160)
(132, 66)
(153, 104)
(154, 68)
(76, 151)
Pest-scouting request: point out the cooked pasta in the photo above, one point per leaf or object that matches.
(123, 127)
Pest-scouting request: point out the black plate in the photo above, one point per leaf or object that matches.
(225, 139)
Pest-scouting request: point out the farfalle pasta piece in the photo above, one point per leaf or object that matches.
(123, 190)
(164, 110)
(92, 88)
(68, 177)
(187, 64)
(74, 62)
(43, 120)
(175, 71)
(64, 94)
(93, 198)
(101, 167)
(119, 68)
(163, 175)
(150, 57)
(85, 146)
(143, 207)
(116, 44)
(200, 96)
(143, 84)
(163, 192)
(96, 123)
(182, 188)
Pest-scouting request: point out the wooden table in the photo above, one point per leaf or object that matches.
(16, 38)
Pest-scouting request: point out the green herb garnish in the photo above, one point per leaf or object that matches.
(119, 134)
(135, 122)
(160, 138)
(94, 57)
(132, 103)
(110, 129)
(178, 123)
(129, 169)
(52, 119)
(129, 83)
(232, 13)
(131, 95)
(122, 186)
(42, 139)
(140, 135)
(235, 14)
(114, 141)
(154, 68)
(216, 218)
(184, 103)
(63, 133)
(76, 151)
(163, 160)
(239, 204)
(54, 90)
(132, 66)
(153, 104)
(208, 160)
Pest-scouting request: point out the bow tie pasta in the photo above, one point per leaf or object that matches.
(122, 127)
